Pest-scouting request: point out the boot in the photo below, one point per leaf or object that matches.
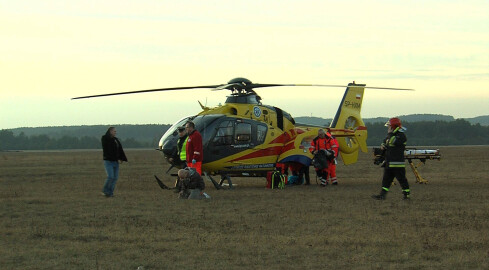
(323, 181)
(406, 195)
(381, 196)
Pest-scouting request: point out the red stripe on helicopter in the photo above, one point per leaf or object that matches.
(288, 146)
(285, 137)
(270, 151)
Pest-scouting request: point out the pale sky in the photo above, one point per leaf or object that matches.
(51, 51)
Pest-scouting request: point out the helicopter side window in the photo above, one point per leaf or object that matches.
(224, 134)
(261, 133)
(243, 133)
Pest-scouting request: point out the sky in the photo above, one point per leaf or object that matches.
(52, 51)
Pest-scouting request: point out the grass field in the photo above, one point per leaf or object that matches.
(52, 216)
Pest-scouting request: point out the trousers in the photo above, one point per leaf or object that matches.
(112, 170)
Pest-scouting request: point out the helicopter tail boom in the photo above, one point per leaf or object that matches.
(348, 118)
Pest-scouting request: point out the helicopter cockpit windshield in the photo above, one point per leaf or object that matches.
(202, 123)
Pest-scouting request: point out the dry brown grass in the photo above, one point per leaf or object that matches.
(53, 217)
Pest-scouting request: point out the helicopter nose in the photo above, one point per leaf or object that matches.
(168, 151)
(169, 148)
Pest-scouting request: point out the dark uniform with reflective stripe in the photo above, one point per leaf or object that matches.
(394, 166)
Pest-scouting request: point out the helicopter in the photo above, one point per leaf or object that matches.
(247, 138)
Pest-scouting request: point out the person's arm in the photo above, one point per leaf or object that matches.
(197, 148)
(122, 156)
(104, 142)
(335, 147)
(383, 145)
(312, 149)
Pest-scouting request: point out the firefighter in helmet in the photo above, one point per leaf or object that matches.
(394, 167)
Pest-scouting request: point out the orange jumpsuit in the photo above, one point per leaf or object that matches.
(327, 143)
(332, 163)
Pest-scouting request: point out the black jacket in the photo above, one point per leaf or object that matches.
(194, 181)
(395, 144)
(112, 148)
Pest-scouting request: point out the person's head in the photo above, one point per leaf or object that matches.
(182, 174)
(393, 123)
(321, 133)
(111, 132)
(181, 131)
(190, 126)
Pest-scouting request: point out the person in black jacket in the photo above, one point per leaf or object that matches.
(113, 155)
(393, 150)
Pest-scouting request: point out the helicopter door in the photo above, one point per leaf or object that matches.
(223, 144)
(266, 154)
(234, 136)
(250, 134)
(261, 134)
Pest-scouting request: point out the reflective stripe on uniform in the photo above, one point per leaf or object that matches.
(392, 140)
(397, 164)
(183, 152)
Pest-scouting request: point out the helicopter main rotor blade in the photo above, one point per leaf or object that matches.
(245, 85)
(388, 88)
(257, 85)
(150, 90)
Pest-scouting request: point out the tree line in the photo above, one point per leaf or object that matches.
(8, 141)
(434, 133)
(423, 133)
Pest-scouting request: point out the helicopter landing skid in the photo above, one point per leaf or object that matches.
(220, 184)
(161, 184)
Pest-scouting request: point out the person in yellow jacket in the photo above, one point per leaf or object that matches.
(180, 157)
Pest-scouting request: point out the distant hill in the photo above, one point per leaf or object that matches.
(150, 133)
(422, 130)
(482, 120)
(318, 121)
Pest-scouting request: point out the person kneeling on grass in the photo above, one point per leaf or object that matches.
(190, 185)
